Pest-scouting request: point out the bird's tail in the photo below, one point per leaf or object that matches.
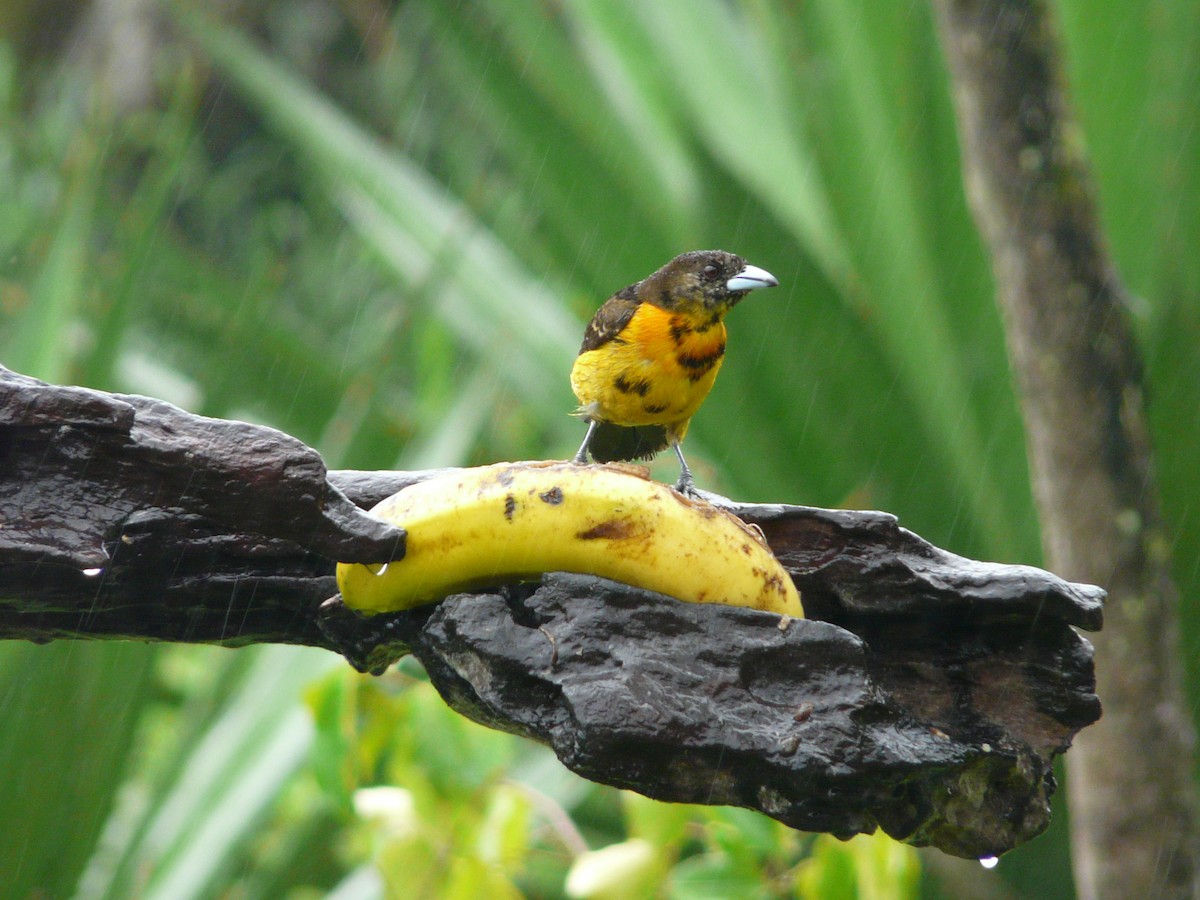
(614, 443)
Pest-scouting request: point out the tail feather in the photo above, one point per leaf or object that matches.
(613, 443)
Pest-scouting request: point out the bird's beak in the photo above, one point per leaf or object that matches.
(751, 277)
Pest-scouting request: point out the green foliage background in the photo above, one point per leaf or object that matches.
(381, 228)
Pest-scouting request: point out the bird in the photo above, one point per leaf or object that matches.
(651, 353)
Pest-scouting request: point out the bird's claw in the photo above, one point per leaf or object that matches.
(688, 488)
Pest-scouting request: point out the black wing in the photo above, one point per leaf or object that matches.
(610, 318)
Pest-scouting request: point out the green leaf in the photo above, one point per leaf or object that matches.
(664, 825)
(69, 715)
(867, 867)
(736, 100)
(40, 345)
(483, 293)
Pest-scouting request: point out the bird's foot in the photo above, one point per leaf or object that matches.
(686, 486)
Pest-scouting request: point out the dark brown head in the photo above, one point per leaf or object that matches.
(703, 280)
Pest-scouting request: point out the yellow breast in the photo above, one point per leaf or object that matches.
(657, 371)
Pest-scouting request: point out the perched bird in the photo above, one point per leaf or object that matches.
(652, 352)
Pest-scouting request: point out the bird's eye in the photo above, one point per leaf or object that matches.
(710, 271)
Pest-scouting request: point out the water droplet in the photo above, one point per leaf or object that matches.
(92, 573)
(989, 862)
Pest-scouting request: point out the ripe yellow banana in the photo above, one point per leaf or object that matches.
(476, 527)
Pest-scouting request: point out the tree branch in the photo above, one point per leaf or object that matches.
(1133, 810)
(926, 694)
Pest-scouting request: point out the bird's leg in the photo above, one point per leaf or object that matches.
(581, 456)
(685, 484)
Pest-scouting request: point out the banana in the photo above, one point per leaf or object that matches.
(483, 526)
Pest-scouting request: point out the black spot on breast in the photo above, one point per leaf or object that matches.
(554, 496)
(680, 329)
(698, 366)
(510, 507)
(654, 408)
(701, 363)
(639, 386)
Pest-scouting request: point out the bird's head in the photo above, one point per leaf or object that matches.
(704, 281)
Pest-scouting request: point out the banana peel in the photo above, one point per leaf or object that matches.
(511, 521)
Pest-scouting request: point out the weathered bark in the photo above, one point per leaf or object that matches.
(1133, 811)
(927, 694)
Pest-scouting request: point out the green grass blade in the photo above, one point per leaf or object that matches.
(736, 103)
(68, 713)
(41, 343)
(441, 238)
(224, 783)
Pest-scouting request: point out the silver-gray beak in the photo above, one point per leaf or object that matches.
(750, 278)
